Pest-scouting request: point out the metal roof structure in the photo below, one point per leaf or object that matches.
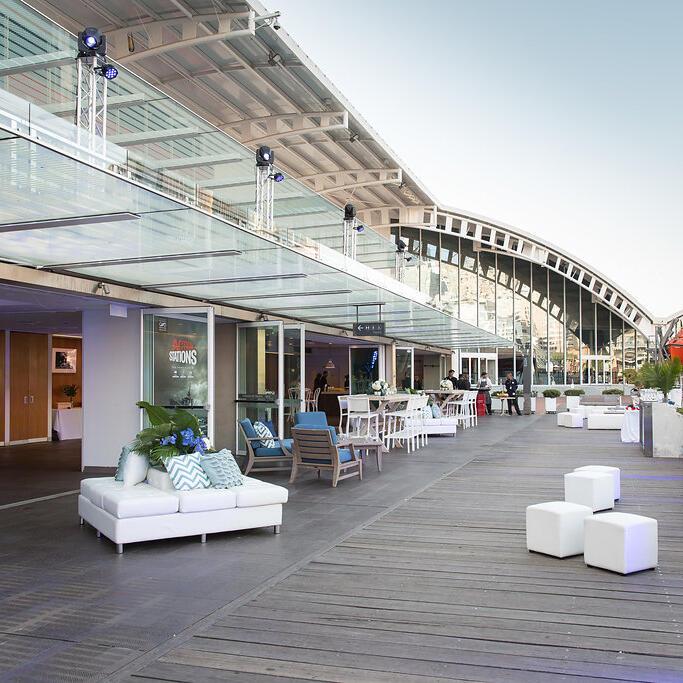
(225, 60)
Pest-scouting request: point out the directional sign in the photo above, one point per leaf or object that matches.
(374, 329)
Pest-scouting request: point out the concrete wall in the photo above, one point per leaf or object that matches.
(111, 385)
(225, 390)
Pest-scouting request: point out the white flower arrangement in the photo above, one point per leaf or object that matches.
(446, 384)
(379, 386)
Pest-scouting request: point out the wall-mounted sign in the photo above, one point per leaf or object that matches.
(373, 329)
(180, 362)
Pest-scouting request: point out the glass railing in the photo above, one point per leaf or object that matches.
(152, 139)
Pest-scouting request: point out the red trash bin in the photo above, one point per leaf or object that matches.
(481, 403)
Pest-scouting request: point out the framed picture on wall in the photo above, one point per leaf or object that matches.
(64, 360)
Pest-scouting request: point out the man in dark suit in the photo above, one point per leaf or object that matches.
(511, 386)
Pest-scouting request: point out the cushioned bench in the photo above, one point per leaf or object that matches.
(144, 512)
(606, 421)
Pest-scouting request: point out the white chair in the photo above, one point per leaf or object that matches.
(556, 528)
(466, 409)
(359, 412)
(614, 471)
(620, 542)
(343, 414)
(312, 403)
(405, 425)
(593, 489)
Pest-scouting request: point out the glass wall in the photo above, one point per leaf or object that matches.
(572, 338)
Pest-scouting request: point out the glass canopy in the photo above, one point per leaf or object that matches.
(167, 205)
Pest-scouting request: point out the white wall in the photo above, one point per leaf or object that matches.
(111, 385)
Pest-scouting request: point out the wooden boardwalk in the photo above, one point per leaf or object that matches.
(441, 588)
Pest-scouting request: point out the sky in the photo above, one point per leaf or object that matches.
(564, 119)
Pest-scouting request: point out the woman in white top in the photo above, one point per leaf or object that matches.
(485, 385)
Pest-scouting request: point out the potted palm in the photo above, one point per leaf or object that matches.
(573, 397)
(663, 376)
(551, 396)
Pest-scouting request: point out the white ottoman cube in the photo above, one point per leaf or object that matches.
(593, 489)
(556, 528)
(614, 471)
(620, 542)
(569, 420)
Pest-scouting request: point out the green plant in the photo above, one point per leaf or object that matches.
(630, 376)
(70, 390)
(679, 411)
(613, 392)
(170, 433)
(574, 392)
(551, 393)
(520, 393)
(662, 375)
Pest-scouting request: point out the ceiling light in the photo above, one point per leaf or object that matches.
(330, 364)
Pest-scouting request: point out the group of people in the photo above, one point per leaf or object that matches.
(485, 385)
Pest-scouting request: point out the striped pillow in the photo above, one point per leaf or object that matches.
(186, 473)
(265, 434)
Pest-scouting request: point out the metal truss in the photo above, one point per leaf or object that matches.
(343, 179)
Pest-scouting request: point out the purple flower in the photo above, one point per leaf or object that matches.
(188, 437)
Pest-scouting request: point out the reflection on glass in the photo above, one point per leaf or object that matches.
(573, 327)
(522, 287)
(505, 323)
(556, 328)
(539, 324)
(617, 349)
(468, 282)
(429, 265)
(404, 368)
(588, 361)
(364, 369)
(602, 345)
(450, 255)
(294, 391)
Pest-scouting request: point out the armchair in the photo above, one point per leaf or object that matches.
(256, 452)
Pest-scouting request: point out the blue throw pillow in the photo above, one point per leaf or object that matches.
(436, 411)
(122, 462)
(222, 469)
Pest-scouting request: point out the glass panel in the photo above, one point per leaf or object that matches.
(505, 322)
(487, 291)
(411, 236)
(641, 349)
(556, 328)
(522, 288)
(539, 324)
(258, 373)
(602, 339)
(617, 349)
(468, 282)
(429, 265)
(450, 254)
(293, 362)
(588, 362)
(573, 327)
(405, 373)
(176, 363)
(364, 362)
(629, 347)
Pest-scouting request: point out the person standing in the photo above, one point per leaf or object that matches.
(484, 387)
(464, 382)
(511, 386)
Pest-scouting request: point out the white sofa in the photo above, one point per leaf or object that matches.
(433, 425)
(144, 512)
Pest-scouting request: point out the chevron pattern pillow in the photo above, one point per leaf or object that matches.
(186, 473)
(222, 470)
(262, 431)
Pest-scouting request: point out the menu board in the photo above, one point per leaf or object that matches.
(181, 367)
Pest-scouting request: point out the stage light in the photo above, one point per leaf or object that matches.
(91, 42)
(109, 71)
(265, 156)
(401, 246)
(278, 177)
(360, 228)
(349, 212)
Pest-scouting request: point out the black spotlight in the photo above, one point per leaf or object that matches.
(109, 71)
(401, 246)
(265, 156)
(92, 43)
(278, 177)
(349, 212)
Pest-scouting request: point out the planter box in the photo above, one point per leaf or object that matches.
(667, 431)
(573, 402)
(550, 405)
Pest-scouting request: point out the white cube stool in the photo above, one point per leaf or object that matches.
(620, 542)
(569, 420)
(614, 471)
(556, 528)
(593, 489)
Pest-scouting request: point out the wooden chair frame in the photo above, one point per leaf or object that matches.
(252, 458)
(316, 444)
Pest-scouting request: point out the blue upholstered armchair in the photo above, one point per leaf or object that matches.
(312, 419)
(258, 452)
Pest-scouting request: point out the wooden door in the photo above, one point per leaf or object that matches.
(28, 373)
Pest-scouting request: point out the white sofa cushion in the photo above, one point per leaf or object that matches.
(254, 492)
(93, 489)
(142, 500)
(159, 480)
(135, 469)
(203, 500)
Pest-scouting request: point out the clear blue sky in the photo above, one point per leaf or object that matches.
(564, 119)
